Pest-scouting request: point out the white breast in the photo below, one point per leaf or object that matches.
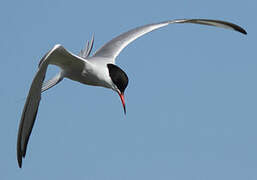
(95, 74)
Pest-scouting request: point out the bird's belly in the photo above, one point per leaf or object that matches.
(89, 79)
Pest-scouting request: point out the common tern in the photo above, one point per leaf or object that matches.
(96, 70)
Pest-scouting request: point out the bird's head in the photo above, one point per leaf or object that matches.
(120, 80)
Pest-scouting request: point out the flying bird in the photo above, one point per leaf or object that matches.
(96, 70)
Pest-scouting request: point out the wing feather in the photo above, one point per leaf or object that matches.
(112, 48)
(29, 113)
(57, 56)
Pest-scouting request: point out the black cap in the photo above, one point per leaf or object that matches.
(118, 76)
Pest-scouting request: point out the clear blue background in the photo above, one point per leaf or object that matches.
(191, 99)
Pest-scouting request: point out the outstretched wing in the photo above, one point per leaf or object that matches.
(112, 48)
(57, 56)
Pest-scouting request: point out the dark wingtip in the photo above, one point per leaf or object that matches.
(19, 161)
(241, 30)
(19, 156)
(20, 164)
(19, 153)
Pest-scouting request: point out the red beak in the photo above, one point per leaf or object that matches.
(123, 101)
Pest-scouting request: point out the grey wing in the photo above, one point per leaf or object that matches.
(57, 56)
(112, 48)
(29, 113)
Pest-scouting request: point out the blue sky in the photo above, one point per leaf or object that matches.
(191, 98)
